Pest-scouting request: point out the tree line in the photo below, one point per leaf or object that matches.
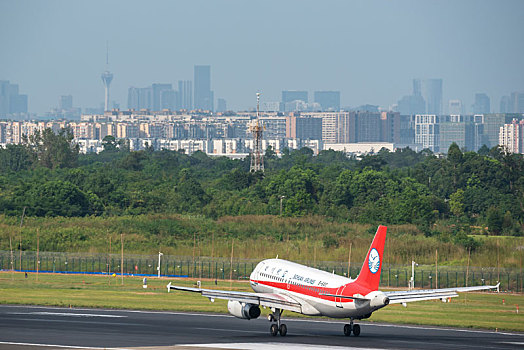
(485, 189)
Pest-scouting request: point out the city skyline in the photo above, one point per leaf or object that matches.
(367, 64)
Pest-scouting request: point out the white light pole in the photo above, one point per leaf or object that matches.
(412, 281)
(158, 267)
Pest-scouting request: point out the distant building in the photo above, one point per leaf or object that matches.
(452, 129)
(455, 107)
(140, 98)
(328, 100)
(221, 105)
(411, 105)
(505, 105)
(12, 103)
(185, 95)
(492, 123)
(482, 104)
(431, 91)
(294, 95)
(304, 128)
(294, 100)
(270, 106)
(427, 132)
(511, 136)
(65, 102)
(204, 97)
(161, 99)
(516, 102)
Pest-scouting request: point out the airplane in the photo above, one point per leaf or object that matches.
(284, 285)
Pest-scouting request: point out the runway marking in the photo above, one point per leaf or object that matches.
(65, 314)
(270, 346)
(513, 342)
(57, 346)
(230, 330)
(82, 322)
(288, 320)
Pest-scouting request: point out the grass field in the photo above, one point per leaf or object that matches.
(473, 310)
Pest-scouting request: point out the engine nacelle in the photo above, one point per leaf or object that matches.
(243, 310)
(378, 300)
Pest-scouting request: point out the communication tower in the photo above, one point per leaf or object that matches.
(257, 129)
(107, 77)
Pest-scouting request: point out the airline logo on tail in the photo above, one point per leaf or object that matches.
(374, 261)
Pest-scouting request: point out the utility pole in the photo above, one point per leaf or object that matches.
(349, 258)
(11, 248)
(37, 252)
(412, 281)
(122, 257)
(436, 268)
(281, 197)
(158, 268)
(231, 264)
(20, 243)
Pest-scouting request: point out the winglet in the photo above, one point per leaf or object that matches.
(369, 276)
(169, 287)
(498, 286)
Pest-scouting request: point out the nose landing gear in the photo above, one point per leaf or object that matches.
(277, 327)
(351, 328)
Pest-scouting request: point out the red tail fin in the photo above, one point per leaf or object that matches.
(370, 274)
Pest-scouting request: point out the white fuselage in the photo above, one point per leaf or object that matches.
(306, 285)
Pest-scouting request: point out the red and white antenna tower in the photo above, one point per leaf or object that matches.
(257, 129)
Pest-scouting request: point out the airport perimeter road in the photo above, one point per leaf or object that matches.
(44, 328)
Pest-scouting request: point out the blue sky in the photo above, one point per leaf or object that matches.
(369, 50)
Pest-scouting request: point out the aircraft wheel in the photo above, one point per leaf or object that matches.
(270, 318)
(283, 330)
(347, 330)
(356, 330)
(273, 329)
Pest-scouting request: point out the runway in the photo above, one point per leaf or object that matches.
(23, 327)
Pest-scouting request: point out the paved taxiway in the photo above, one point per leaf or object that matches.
(24, 327)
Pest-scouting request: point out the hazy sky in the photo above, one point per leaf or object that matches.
(369, 50)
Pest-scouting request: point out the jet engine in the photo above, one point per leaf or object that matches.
(377, 300)
(243, 310)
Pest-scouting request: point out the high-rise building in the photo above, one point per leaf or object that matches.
(492, 124)
(304, 128)
(368, 127)
(158, 89)
(455, 107)
(452, 129)
(221, 105)
(11, 102)
(511, 136)
(516, 102)
(204, 97)
(431, 91)
(168, 99)
(294, 100)
(65, 102)
(427, 132)
(328, 100)
(140, 98)
(482, 104)
(505, 105)
(411, 105)
(185, 95)
(294, 95)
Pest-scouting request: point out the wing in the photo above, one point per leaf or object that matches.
(272, 300)
(430, 294)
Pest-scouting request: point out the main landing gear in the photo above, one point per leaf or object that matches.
(348, 328)
(277, 327)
